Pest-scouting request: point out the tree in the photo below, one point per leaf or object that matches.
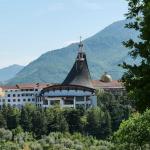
(13, 117)
(73, 117)
(26, 117)
(137, 76)
(56, 120)
(3, 123)
(39, 123)
(134, 132)
(98, 123)
(117, 108)
(5, 135)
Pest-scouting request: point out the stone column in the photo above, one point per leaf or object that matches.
(74, 102)
(85, 102)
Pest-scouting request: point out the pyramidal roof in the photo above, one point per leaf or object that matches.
(79, 74)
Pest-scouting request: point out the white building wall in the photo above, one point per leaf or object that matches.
(19, 97)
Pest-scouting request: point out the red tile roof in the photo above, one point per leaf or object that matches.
(27, 86)
(96, 84)
(112, 84)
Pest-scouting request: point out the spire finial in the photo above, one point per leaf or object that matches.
(80, 39)
(80, 45)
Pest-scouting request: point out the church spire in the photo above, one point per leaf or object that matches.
(79, 74)
(80, 45)
(80, 52)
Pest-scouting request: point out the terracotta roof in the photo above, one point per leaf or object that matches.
(112, 84)
(8, 87)
(27, 86)
(96, 84)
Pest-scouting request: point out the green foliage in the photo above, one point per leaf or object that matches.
(11, 116)
(39, 123)
(98, 123)
(59, 141)
(73, 117)
(9, 146)
(116, 106)
(26, 117)
(56, 120)
(3, 123)
(136, 77)
(54, 141)
(134, 132)
(5, 135)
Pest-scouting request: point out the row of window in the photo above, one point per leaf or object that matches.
(18, 95)
(21, 90)
(18, 100)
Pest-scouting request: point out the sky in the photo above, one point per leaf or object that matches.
(29, 28)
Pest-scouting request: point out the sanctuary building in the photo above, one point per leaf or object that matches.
(76, 90)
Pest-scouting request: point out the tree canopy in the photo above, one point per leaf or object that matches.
(137, 75)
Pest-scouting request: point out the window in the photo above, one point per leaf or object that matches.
(14, 95)
(24, 100)
(45, 102)
(54, 102)
(18, 100)
(8, 95)
(14, 100)
(8, 100)
(22, 94)
(68, 102)
(79, 98)
(29, 100)
(18, 95)
(80, 106)
(32, 99)
(3, 100)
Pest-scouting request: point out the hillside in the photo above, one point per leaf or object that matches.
(104, 52)
(9, 72)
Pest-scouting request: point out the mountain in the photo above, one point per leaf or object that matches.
(9, 72)
(104, 52)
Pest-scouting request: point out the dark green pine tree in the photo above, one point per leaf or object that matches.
(26, 120)
(137, 76)
(3, 123)
(39, 123)
(13, 116)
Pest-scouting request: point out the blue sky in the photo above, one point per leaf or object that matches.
(29, 28)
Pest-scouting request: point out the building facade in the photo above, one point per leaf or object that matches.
(20, 94)
(77, 90)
